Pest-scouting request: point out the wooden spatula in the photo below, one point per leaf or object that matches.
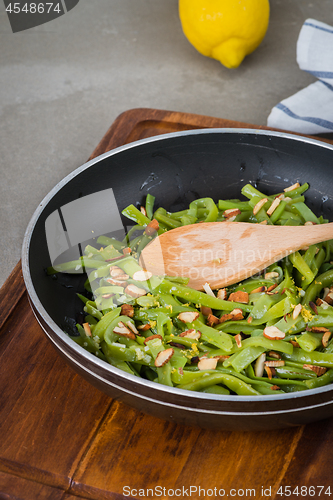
(223, 253)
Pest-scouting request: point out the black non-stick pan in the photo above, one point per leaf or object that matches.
(176, 169)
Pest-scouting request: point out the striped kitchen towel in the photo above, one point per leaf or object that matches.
(310, 111)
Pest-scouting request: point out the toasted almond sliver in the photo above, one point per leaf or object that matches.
(319, 370)
(127, 310)
(142, 275)
(294, 343)
(319, 329)
(273, 354)
(309, 223)
(291, 188)
(222, 294)
(259, 205)
(225, 317)
(188, 316)
(260, 289)
(274, 363)
(242, 297)
(212, 320)
(271, 275)
(329, 298)
(134, 291)
(273, 206)
(132, 327)
(124, 331)
(191, 334)
(207, 364)
(297, 310)
(325, 338)
(238, 340)
(271, 288)
(144, 327)
(87, 329)
(263, 222)
(237, 314)
(231, 212)
(163, 357)
(151, 337)
(273, 333)
(206, 311)
(143, 211)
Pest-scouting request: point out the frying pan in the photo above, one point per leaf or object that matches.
(176, 168)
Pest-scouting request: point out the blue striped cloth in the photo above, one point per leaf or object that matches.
(310, 111)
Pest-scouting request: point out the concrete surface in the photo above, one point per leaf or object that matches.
(63, 84)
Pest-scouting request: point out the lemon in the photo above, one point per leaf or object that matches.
(226, 30)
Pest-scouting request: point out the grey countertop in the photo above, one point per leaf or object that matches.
(64, 82)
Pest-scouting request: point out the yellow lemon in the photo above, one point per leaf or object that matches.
(226, 30)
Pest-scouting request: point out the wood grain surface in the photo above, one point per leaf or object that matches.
(62, 439)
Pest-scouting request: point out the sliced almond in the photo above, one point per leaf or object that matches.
(142, 275)
(222, 294)
(151, 337)
(116, 282)
(144, 328)
(134, 291)
(212, 320)
(127, 251)
(263, 222)
(249, 319)
(259, 205)
(188, 316)
(291, 188)
(319, 329)
(271, 288)
(274, 363)
(163, 357)
(271, 275)
(221, 358)
(294, 343)
(231, 212)
(122, 330)
(270, 371)
(313, 307)
(273, 354)
(225, 317)
(275, 387)
(273, 333)
(87, 329)
(238, 340)
(143, 211)
(241, 297)
(118, 273)
(259, 365)
(127, 310)
(329, 298)
(325, 339)
(152, 227)
(309, 223)
(132, 327)
(319, 370)
(297, 311)
(207, 364)
(237, 314)
(107, 295)
(273, 206)
(260, 289)
(206, 311)
(191, 334)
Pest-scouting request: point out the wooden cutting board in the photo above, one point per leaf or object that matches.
(62, 439)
